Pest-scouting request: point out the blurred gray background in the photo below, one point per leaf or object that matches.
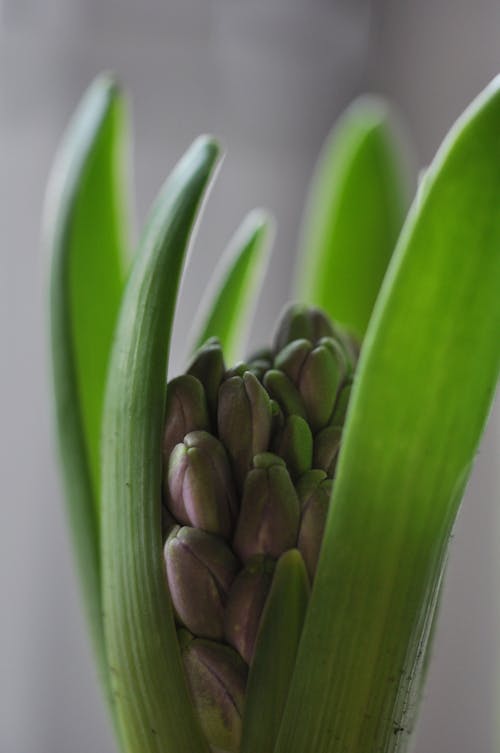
(268, 77)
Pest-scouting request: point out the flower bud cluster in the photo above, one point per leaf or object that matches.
(249, 458)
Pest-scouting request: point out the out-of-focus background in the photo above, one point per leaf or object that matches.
(268, 77)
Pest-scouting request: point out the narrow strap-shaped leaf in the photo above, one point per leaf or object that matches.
(226, 310)
(353, 217)
(426, 380)
(83, 227)
(152, 702)
(275, 653)
(86, 218)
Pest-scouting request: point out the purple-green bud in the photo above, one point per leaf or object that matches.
(269, 516)
(308, 483)
(283, 390)
(209, 368)
(186, 410)
(260, 362)
(350, 347)
(200, 570)
(216, 678)
(301, 322)
(340, 410)
(245, 605)
(337, 350)
(314, 490)
(320, 377)
(244, 421)
(326, 449)
(239, 368)
(295, 445)
(278, 419)
(291, 359)
(200, 488)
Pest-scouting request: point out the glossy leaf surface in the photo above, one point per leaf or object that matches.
(426, 380)
(354, 215)
(153, 706)
(275, 653)
(84, 224)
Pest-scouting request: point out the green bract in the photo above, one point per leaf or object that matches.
(340, 668)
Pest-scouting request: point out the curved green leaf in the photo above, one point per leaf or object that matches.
(84, 225)
(354, 215)
(226, 310)
(426, 380)
(275, 653)
(151, 698)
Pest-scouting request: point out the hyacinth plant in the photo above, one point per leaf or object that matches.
(261, 542)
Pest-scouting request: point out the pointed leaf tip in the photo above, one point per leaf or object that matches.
(354, 213)
(226, 309)
(85, 236)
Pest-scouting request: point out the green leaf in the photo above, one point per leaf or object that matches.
(354, 215)
(426, 381)
(152, 702)
(226, 310)
(417, 689)
(84, 226)
(275, 653)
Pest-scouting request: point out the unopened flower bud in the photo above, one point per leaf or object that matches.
(291, 359)
(244, 421)
(314, 490)
(216, 677)
(340, 410)
(245, 604)
(320, 377)
(326, 449)
(200, 570)
(301, 322)
(350, 347)
(278, 419)
(269, 516)
(200, 488)
(186, 410)
(286, 394)
(239, 368)
(308, 483)
(295, 445)
(208, 367)
(260, 362)
(335, 346)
